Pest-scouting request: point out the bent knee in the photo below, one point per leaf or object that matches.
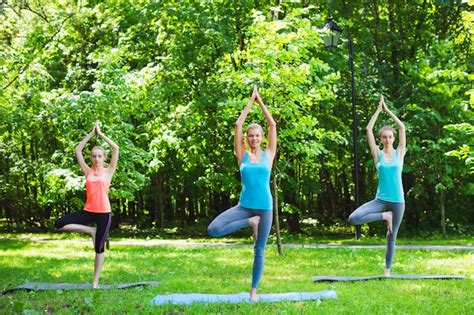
(353, 219)
(58, 224)
(212, 231)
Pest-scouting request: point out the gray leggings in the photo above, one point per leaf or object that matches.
(236, 218)
(372, 211)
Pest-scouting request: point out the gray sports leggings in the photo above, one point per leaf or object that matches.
(372, 211)
(236, 218)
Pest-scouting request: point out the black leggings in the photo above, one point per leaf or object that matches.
(83, 217)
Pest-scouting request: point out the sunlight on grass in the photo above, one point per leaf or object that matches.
(228, 270)
(458, 265)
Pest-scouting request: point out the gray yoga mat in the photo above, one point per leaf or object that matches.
(42, 286)
(190, 298)
(365, 278)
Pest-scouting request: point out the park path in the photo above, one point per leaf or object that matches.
(187, 243)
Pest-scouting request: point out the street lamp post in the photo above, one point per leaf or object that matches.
(331, 40)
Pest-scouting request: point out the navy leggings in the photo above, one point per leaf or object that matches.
(238, 217)
(83, 217)
(372, 211)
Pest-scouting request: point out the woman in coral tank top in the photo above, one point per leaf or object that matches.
(97, 206)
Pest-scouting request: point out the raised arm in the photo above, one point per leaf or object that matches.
(402, 140)
(115, 150)
(374, 149)
(272, 130)
(238, 142)
(80, 147)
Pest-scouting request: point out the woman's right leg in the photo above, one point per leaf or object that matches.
(103, 221)
(369, 212)
(264, 227)
(398, 209)
(76, 222)
(229, 221)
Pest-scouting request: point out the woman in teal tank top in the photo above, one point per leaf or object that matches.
(389, 202)
(256, 203)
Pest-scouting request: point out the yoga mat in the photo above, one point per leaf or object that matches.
(42, 286)
(190, 298)
(365, 278)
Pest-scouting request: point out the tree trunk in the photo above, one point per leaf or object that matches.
(191, 206)
(394, 49)
(276, 216)
(160, 199)
(346, 194)
(376, 31)
(180, 207)
(294, 223)
(442, 200)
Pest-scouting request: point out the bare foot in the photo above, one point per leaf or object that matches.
(387, 273)
(253, 295)
(254, 221)
(388, 216)
(95, 285)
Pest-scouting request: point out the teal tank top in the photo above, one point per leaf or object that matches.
(255, 177)
(390, 187)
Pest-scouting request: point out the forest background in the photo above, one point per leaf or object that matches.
(168, 79)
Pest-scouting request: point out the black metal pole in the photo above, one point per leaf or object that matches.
(354, 129)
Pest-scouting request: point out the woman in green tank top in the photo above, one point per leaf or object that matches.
(255, 204)
(389, 203)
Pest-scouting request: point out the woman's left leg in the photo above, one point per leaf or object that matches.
(77, 222)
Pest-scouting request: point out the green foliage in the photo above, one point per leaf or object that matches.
(168, 80)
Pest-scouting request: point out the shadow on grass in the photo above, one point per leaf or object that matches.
(13, 244)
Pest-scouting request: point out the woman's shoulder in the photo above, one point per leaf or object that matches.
(88, 171)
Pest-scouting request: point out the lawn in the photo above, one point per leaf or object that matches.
(185, 269)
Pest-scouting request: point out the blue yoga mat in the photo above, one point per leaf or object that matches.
(190, 298)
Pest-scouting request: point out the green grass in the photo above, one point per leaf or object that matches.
(67, 258)
(245, 238)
